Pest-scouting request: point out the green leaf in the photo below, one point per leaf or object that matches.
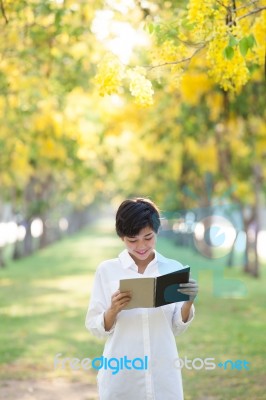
(251, 40)
(232, 41)
(150, 27)
(157, 29)
(190, 26)
(187, 25)
(229, 52)
(253, 67)
(244, 46)
(172, 33)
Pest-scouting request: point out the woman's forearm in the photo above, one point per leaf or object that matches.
(185, 310)
(109, 319)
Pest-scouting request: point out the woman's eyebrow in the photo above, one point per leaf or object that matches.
(134, 237)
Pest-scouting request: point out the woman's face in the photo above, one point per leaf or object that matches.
(141, 246)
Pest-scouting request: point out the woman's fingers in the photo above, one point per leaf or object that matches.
(121, 298)
(188, 291)
(191, 288)
(123, 295)
(119, 295)
(190, 284)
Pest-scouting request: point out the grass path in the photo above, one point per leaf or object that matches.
(43, 302)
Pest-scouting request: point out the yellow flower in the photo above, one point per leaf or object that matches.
(229, 74)
(140, 87)
(110, 75)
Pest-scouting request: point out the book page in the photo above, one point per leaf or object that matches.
(142, 292)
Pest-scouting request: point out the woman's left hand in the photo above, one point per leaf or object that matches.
(191, 289)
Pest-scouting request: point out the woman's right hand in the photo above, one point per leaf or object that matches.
(119, 300)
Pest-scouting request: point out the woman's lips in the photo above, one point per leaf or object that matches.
(141, 252)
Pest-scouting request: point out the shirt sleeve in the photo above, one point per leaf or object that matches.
(99, 303)
(178, 325)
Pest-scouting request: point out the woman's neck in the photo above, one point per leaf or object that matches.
(142, 264)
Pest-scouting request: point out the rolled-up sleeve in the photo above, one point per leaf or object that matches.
(178, 325)
(99, 303)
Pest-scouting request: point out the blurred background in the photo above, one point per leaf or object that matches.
(106, 100)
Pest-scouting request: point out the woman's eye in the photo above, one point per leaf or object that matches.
(132, 241)
(149, 238)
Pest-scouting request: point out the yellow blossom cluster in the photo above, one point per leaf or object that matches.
(175, 55)
(216, 24)
(217, 34)
(140, 87)
(202, 15)
(259, 29)
(229, 74)
(109, 76)
(168, 51)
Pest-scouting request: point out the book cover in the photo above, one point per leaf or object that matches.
(167, 286)
(155, 292)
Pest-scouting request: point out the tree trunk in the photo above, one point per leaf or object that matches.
(230, 261)
(44, 239)
(251, 265)
(252, 226)
(2, 261)
(257, 186)
(18, 250)
(28, 244)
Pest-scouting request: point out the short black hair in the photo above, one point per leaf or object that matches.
(135, 214)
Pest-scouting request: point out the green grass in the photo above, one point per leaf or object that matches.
(44, 298)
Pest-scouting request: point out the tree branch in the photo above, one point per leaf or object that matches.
(257, 10)
(149, 68)
(251, 12)
(246, 5)
(190, 44)
(3, 11)
(175, 62)
(221, 4)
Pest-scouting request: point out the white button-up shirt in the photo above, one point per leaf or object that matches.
(137, 333)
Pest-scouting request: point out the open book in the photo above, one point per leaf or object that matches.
(155, 292)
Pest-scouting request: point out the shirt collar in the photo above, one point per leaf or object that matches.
(127, 261)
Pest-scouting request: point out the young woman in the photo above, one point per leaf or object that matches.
(140, 341)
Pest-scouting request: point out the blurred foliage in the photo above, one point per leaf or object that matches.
(206, 65)
(61, 141)
(50, 126)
